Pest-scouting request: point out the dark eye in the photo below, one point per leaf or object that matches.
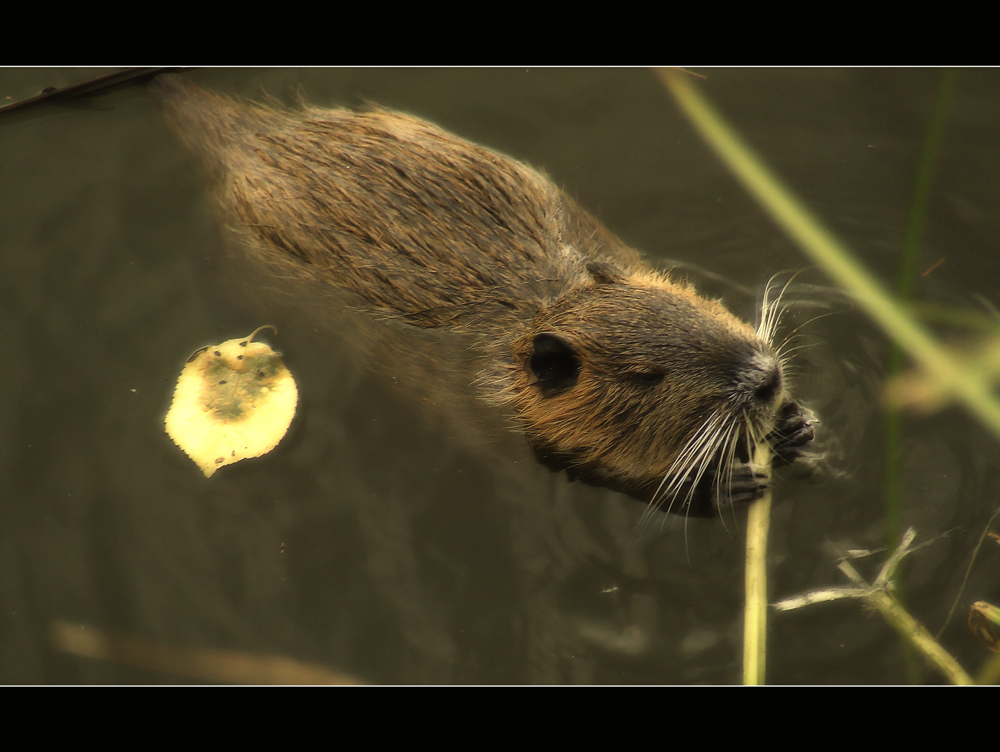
(554, 363)
(647, 378)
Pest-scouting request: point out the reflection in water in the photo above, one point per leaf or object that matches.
(204, 664)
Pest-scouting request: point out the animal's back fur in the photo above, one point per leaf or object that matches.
(415, 222)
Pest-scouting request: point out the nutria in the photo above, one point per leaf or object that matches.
(612, 371)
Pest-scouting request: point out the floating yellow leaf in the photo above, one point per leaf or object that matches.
(233, 401)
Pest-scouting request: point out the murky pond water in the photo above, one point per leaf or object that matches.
(377, 542)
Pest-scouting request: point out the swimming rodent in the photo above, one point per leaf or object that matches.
(613, 372)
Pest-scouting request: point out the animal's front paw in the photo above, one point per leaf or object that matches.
(717, 490)
(742, 485)
(794, 429)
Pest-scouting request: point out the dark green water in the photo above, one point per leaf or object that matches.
(373, 543)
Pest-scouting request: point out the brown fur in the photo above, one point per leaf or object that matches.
(609, 368)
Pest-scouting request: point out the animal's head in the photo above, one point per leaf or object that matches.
(638, 384)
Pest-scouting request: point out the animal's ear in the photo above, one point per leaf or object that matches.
(605, 273)
(554, 363)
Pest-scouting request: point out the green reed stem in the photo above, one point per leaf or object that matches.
(755, 608)
(969, 386)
